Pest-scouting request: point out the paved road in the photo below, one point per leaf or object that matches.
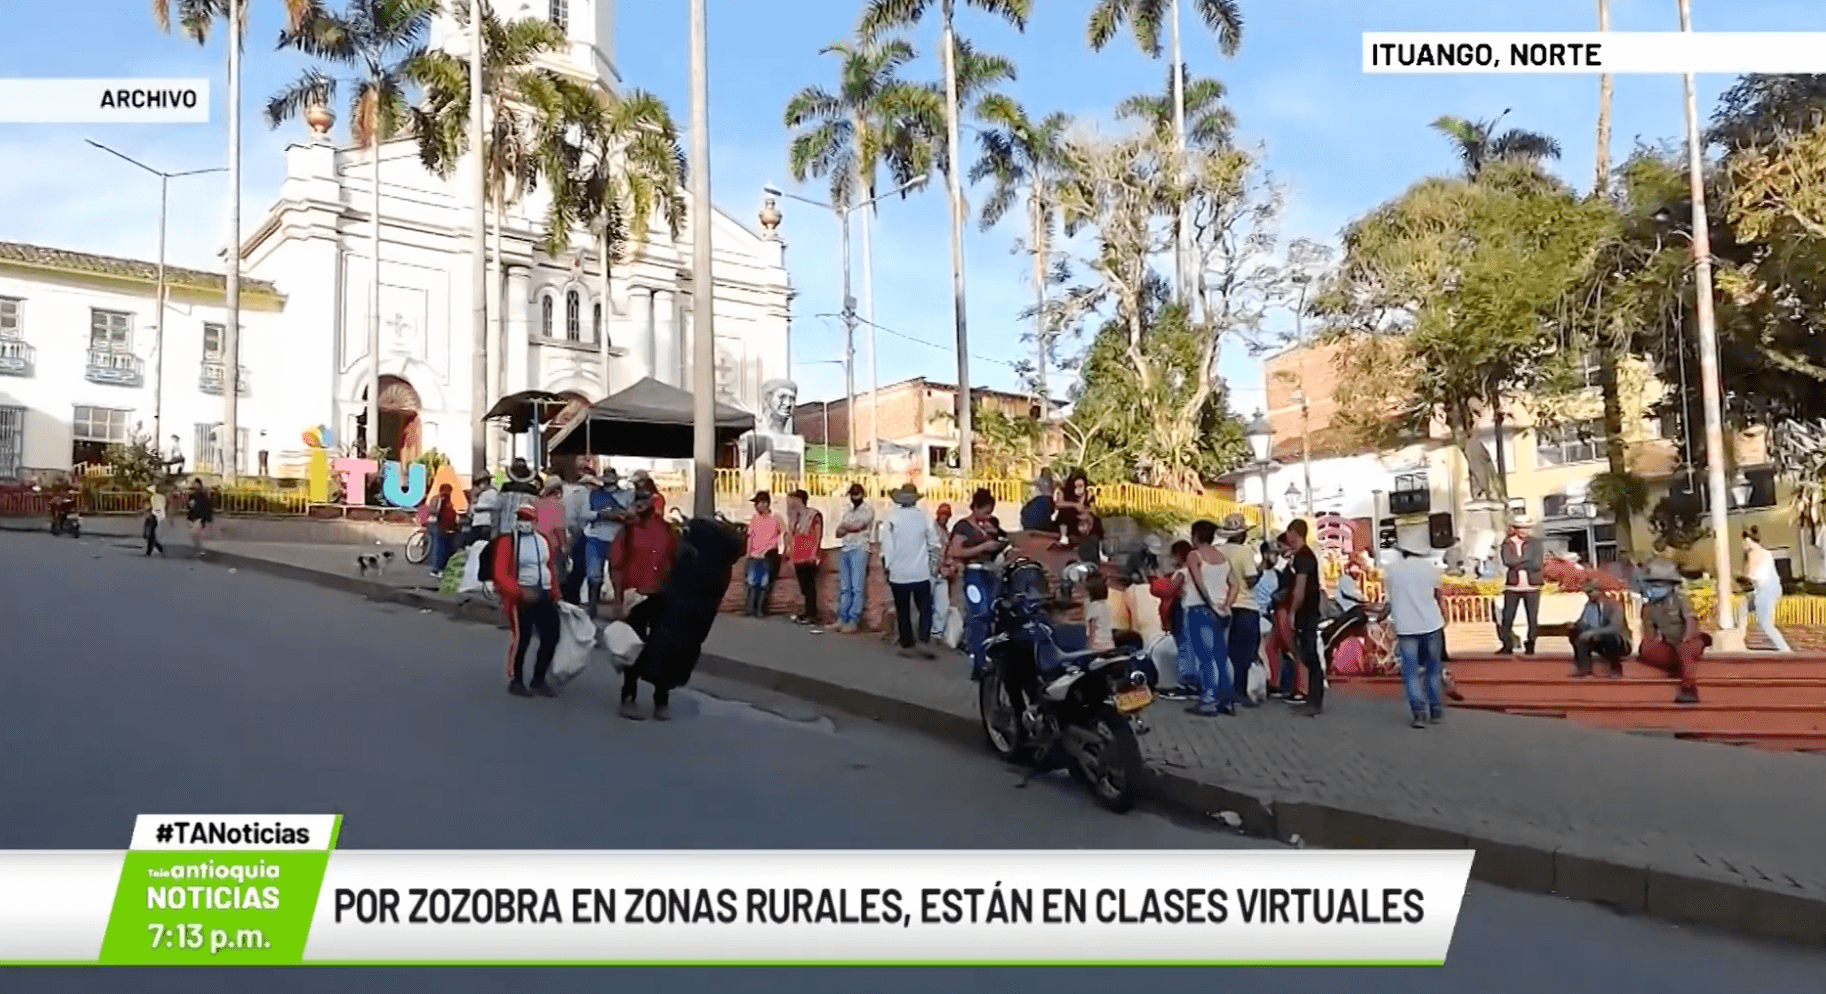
(134, 685)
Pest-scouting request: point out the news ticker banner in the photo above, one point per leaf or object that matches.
(244, 890)
(1595, 52)
(104, 101)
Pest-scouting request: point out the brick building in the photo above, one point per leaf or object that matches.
(915, 420)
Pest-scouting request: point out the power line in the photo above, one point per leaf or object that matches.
(920, 341)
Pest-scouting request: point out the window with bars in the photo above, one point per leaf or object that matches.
(11, 323)
(110, 331)
(561, 14)
(213, 344)
(573, 317)
(1591, 365)
(545, 316)
(12, 442)
(1568, 444)
(206, 445)
(101, 424)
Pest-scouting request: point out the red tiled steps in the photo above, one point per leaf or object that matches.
(1743, 666)
(1668, 716)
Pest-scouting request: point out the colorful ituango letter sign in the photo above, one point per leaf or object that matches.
(401, 486)
(319, 440)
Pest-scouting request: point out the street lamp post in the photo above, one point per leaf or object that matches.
(1708, 352)
(843, 213)
(158, 334)
(1261, 442)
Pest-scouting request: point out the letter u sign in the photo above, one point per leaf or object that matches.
(413, 492)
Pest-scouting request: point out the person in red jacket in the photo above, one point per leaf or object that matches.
(523, 565)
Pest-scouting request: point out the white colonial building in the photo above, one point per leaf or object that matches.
(550, 328)
(81, 363)
(308, 265)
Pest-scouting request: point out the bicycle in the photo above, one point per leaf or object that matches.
(418, 546)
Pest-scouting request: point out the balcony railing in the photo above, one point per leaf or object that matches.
(16, 358)
(1405, 502)
(121, 369)
(215, 374)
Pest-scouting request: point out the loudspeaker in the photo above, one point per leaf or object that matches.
(1439, 531)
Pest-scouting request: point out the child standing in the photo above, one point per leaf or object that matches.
(155, 519)
(1097, 623)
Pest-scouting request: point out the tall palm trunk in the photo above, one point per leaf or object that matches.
(1614, 451)
(1041, 249)
(1182, 228)
(374, 292)
(497, 336)
(608, 312)
(863, 198)
(954, 188)
(478, 263)
(231, 333)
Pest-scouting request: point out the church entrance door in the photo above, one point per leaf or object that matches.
(400, 428)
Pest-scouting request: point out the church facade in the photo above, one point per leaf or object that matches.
(552, 326)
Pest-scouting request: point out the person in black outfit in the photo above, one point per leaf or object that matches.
(1305, 602)
(149, 528)
(202, 513)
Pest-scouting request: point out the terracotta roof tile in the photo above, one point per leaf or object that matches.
(67, 260)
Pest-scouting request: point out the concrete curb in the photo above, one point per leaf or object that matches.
(1725, 903)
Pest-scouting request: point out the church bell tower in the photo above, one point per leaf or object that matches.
(589, 26)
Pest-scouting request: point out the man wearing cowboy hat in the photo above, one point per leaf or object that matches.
(1600, 632)
(906, 558)
(1245, 636)
(520, 490)
(1523, 557)
(1672, 640)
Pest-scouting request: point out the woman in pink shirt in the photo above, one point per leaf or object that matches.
(764, 534)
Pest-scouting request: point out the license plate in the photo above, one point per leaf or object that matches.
(1131, 701)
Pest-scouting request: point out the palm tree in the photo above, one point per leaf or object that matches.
(1023, 155)
(383, 40)
(1479, 144)
(1209, 121)
(512, 86)
(196, 18)
(873, 119)
(1621, 484)
(877, 18)
(1144, 19)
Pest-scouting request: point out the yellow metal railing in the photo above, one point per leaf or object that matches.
(1112, 498)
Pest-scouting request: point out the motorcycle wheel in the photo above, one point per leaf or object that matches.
(1001, 724)
(1116, 775)
(418, 547)
(75, 531)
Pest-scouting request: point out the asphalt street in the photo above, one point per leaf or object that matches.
(133, 685)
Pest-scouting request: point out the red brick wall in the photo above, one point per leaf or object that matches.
(1316, 367)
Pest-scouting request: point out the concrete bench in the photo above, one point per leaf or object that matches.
(1559, 613)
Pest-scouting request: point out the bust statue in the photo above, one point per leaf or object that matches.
(778, 399)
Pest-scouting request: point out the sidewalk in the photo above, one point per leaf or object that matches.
(1714, 834)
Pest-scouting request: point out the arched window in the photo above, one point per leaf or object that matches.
(573, 317)
(596, 325)
(561, 14)
(545, 316)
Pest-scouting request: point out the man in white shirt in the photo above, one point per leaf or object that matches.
(1416, 610)
(484, 503)
(576, 495)
(906, 558)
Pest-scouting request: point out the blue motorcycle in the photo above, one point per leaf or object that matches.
(1049, 701)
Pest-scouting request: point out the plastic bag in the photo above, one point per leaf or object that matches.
(576, 637)
(472, 569)
(954, 628)
(622, 643)
(1258, 682)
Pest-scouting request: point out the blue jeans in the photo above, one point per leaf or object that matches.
(1245, 645)
(1182, 652)
(852, 577)
(756, 573)
(1420, 661)
(1207, 631)
(595, 558)
(442, 546)
(1762, 607)
(979, 604)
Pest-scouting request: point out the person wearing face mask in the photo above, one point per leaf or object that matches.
(642, 552)
(523, 566)
(853, 559)
(1672, 640)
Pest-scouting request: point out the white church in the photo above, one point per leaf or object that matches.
(304, 347)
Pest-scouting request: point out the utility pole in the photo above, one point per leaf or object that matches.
(231, 332)
(703, 282)
(1708, 355)
(478, 263)
(849, 345)
(955, 193)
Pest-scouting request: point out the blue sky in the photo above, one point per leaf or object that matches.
(1340, 141)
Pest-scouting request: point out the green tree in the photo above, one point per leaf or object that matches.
(880, 16)
(381, 41)
(1451, 301)
(1479, 144)
(1007, 447)
(1024, 158)
(1209, 120)
(872, 120)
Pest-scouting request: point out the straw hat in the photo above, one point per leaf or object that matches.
(1661, 571)
(906, 495)
(1234, 524)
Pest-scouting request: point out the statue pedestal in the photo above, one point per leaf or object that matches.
(1482, 529)
(777, 453)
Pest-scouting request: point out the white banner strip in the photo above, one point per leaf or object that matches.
(104, 101)
(817, 908)
(233, 833)
(1595, 52)
(54, 906)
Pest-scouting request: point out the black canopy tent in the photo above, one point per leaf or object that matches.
(649, 420)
